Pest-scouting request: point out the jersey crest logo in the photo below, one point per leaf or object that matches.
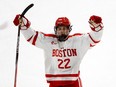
(53, 43)
(64, 52)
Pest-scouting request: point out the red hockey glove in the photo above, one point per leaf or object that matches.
(96, 19)
(24, 22)
(95, 23)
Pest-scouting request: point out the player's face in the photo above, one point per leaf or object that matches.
(62, 30)
(62, 33)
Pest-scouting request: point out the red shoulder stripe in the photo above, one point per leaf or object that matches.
(50, 35)
(76, 34)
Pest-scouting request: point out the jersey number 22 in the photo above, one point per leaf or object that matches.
(64, 64)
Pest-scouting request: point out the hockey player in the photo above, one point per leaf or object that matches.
(63, 52)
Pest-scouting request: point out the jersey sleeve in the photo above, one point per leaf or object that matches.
(34, 37)
(94, 37)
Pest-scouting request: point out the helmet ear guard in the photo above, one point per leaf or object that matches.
(70, 28)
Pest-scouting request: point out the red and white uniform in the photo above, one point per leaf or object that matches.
(62, 59)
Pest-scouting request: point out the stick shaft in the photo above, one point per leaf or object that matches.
(18, 40)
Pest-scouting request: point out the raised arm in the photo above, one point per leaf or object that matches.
(32, 36)
(96, 26)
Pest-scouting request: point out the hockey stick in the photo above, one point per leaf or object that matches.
(18, 39)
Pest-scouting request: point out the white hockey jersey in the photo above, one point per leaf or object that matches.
(62, 59)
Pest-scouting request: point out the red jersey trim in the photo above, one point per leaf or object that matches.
(66, 83)
(30, 38)
(62, 75)
(93, 39)
(35, 38)
(61, 82)
(92, 45)
(53, 35)
(49, 35)
(77, 34)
